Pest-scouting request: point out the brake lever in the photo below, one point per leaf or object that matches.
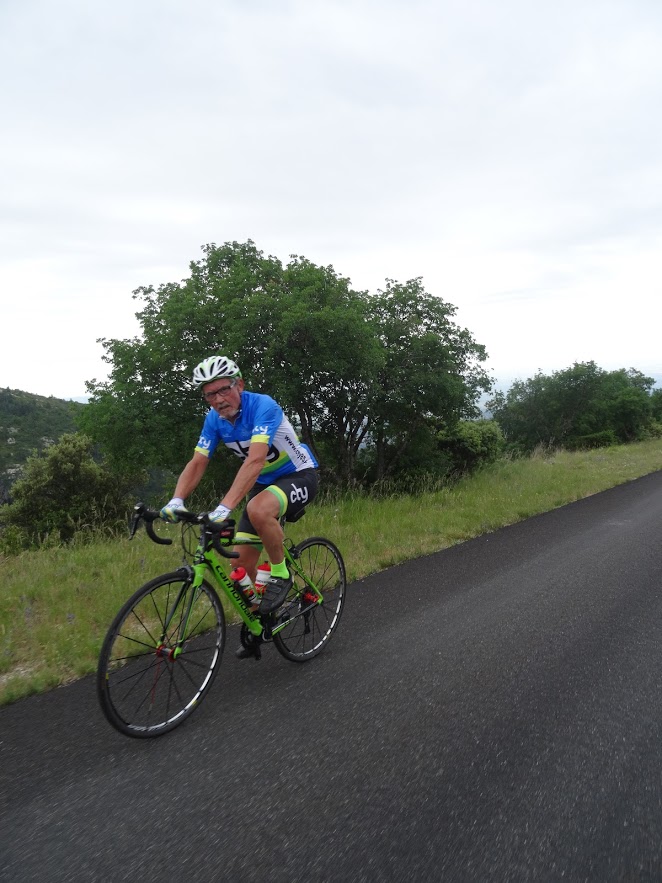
(133, 527)
(138, 511)
(141, 512)
(221, 531)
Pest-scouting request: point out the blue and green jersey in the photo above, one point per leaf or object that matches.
(260, 419)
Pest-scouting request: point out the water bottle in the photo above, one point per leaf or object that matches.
(240, 576)
(262, 578)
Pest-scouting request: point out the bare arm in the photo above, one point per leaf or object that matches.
(191, 476)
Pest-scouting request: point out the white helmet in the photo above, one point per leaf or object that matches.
(213, 368)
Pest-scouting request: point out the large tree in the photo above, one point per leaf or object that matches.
(321, 360)
(431, 375)
(352, 370)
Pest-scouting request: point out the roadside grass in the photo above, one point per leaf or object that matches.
(57, 603)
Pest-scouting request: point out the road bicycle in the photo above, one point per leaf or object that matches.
(164, 647)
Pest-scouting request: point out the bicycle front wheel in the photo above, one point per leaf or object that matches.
(160, 655)
(310, 623)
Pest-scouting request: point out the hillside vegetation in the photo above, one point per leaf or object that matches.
(29, 423)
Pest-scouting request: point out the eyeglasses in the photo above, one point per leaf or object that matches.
(220, 391)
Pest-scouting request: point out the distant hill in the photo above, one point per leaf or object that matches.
(29, 422)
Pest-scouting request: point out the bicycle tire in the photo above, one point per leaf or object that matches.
(311, 624)
(144, 688)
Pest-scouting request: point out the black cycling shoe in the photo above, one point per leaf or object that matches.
(275, 592)
(246, 653)
(251, 646)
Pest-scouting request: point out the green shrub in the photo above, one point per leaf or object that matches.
(574, 407)
(471, 444)
(604, 439)
(64, 492)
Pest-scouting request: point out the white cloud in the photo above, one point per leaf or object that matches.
(508, 153)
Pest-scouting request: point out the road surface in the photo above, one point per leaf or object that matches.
(491, 712)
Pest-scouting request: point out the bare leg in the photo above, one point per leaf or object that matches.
(263, 511)
(248, 558)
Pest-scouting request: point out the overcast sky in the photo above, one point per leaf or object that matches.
(507, 151)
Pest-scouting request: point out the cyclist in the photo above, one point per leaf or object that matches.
(278, 473)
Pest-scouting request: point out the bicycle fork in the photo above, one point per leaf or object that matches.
(193, 577)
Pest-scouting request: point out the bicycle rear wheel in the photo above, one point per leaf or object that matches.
(160, 655)
(310, 624)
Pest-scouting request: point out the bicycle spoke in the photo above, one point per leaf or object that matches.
(135, 678)
(150, 647)
(148, 683)
(319, 570)
(192, 662)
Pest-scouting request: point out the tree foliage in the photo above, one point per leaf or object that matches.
(63, 490)
(656, 405)
(429, 376)
(579, 407)
(471, 444)
(355, 372)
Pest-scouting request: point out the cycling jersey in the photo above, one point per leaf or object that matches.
(260, 419)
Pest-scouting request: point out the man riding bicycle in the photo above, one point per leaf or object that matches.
(278, 472)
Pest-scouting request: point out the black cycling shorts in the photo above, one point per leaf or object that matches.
(293, 492)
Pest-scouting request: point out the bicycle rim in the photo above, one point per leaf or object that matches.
(311, 624)
(151, 677)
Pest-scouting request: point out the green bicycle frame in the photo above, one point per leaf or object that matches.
(208, 560)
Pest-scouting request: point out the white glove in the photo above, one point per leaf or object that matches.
(220, 514)
(169, 511)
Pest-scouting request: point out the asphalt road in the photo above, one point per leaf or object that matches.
(491, 712)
